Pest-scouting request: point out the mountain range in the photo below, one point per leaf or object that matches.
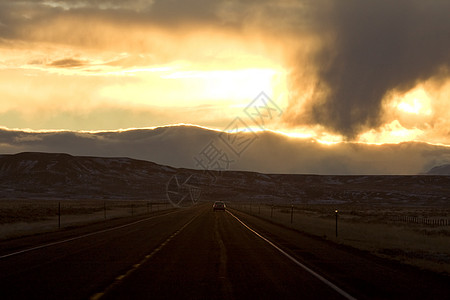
(440, 170)
(184, 146)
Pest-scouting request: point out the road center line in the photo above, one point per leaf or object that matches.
(318, 276)
(226, 286)
(133, 268)
(82, 236)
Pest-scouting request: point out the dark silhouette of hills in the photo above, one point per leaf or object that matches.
(63, 176)
(440, 170)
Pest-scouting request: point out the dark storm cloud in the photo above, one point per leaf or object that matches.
(369, 49)
(18, 13)
(181, 11)
(166, 14)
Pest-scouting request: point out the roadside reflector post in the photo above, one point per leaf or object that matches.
(336, 213)
(59, 214)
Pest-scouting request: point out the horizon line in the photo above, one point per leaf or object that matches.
(255, 130)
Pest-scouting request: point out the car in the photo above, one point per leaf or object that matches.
(219, 205)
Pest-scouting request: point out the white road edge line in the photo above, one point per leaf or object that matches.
(321, 278)
(81, 236)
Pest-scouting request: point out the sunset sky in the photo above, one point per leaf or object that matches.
(372, 71)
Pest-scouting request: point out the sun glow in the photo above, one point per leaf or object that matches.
(311, 133)
(391, 133)
(234, 85)
(297, 135)
(415, 102)
(226, 88)
(414, 108)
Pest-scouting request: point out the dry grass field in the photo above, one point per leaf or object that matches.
(390, 232)
(19, 217)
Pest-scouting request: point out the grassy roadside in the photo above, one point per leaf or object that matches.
(20, 217)
(379, 230)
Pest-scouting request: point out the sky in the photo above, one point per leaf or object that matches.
(370, 72)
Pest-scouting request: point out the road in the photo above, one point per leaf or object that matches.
(196, 253)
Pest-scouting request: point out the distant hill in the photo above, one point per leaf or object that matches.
(62, 175)
(440, 170)
(264, 152)
(48, 176)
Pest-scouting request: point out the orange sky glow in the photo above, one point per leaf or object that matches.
(110, 65)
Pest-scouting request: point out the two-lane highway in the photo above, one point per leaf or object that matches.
(196, 253)
(215, 257)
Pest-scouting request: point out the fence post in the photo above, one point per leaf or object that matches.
(59, 215)
(292, 213)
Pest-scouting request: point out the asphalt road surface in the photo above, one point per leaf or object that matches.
(196, 253)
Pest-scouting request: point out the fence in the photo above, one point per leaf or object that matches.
(21, 217)
(293, 212)
(424, 221)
